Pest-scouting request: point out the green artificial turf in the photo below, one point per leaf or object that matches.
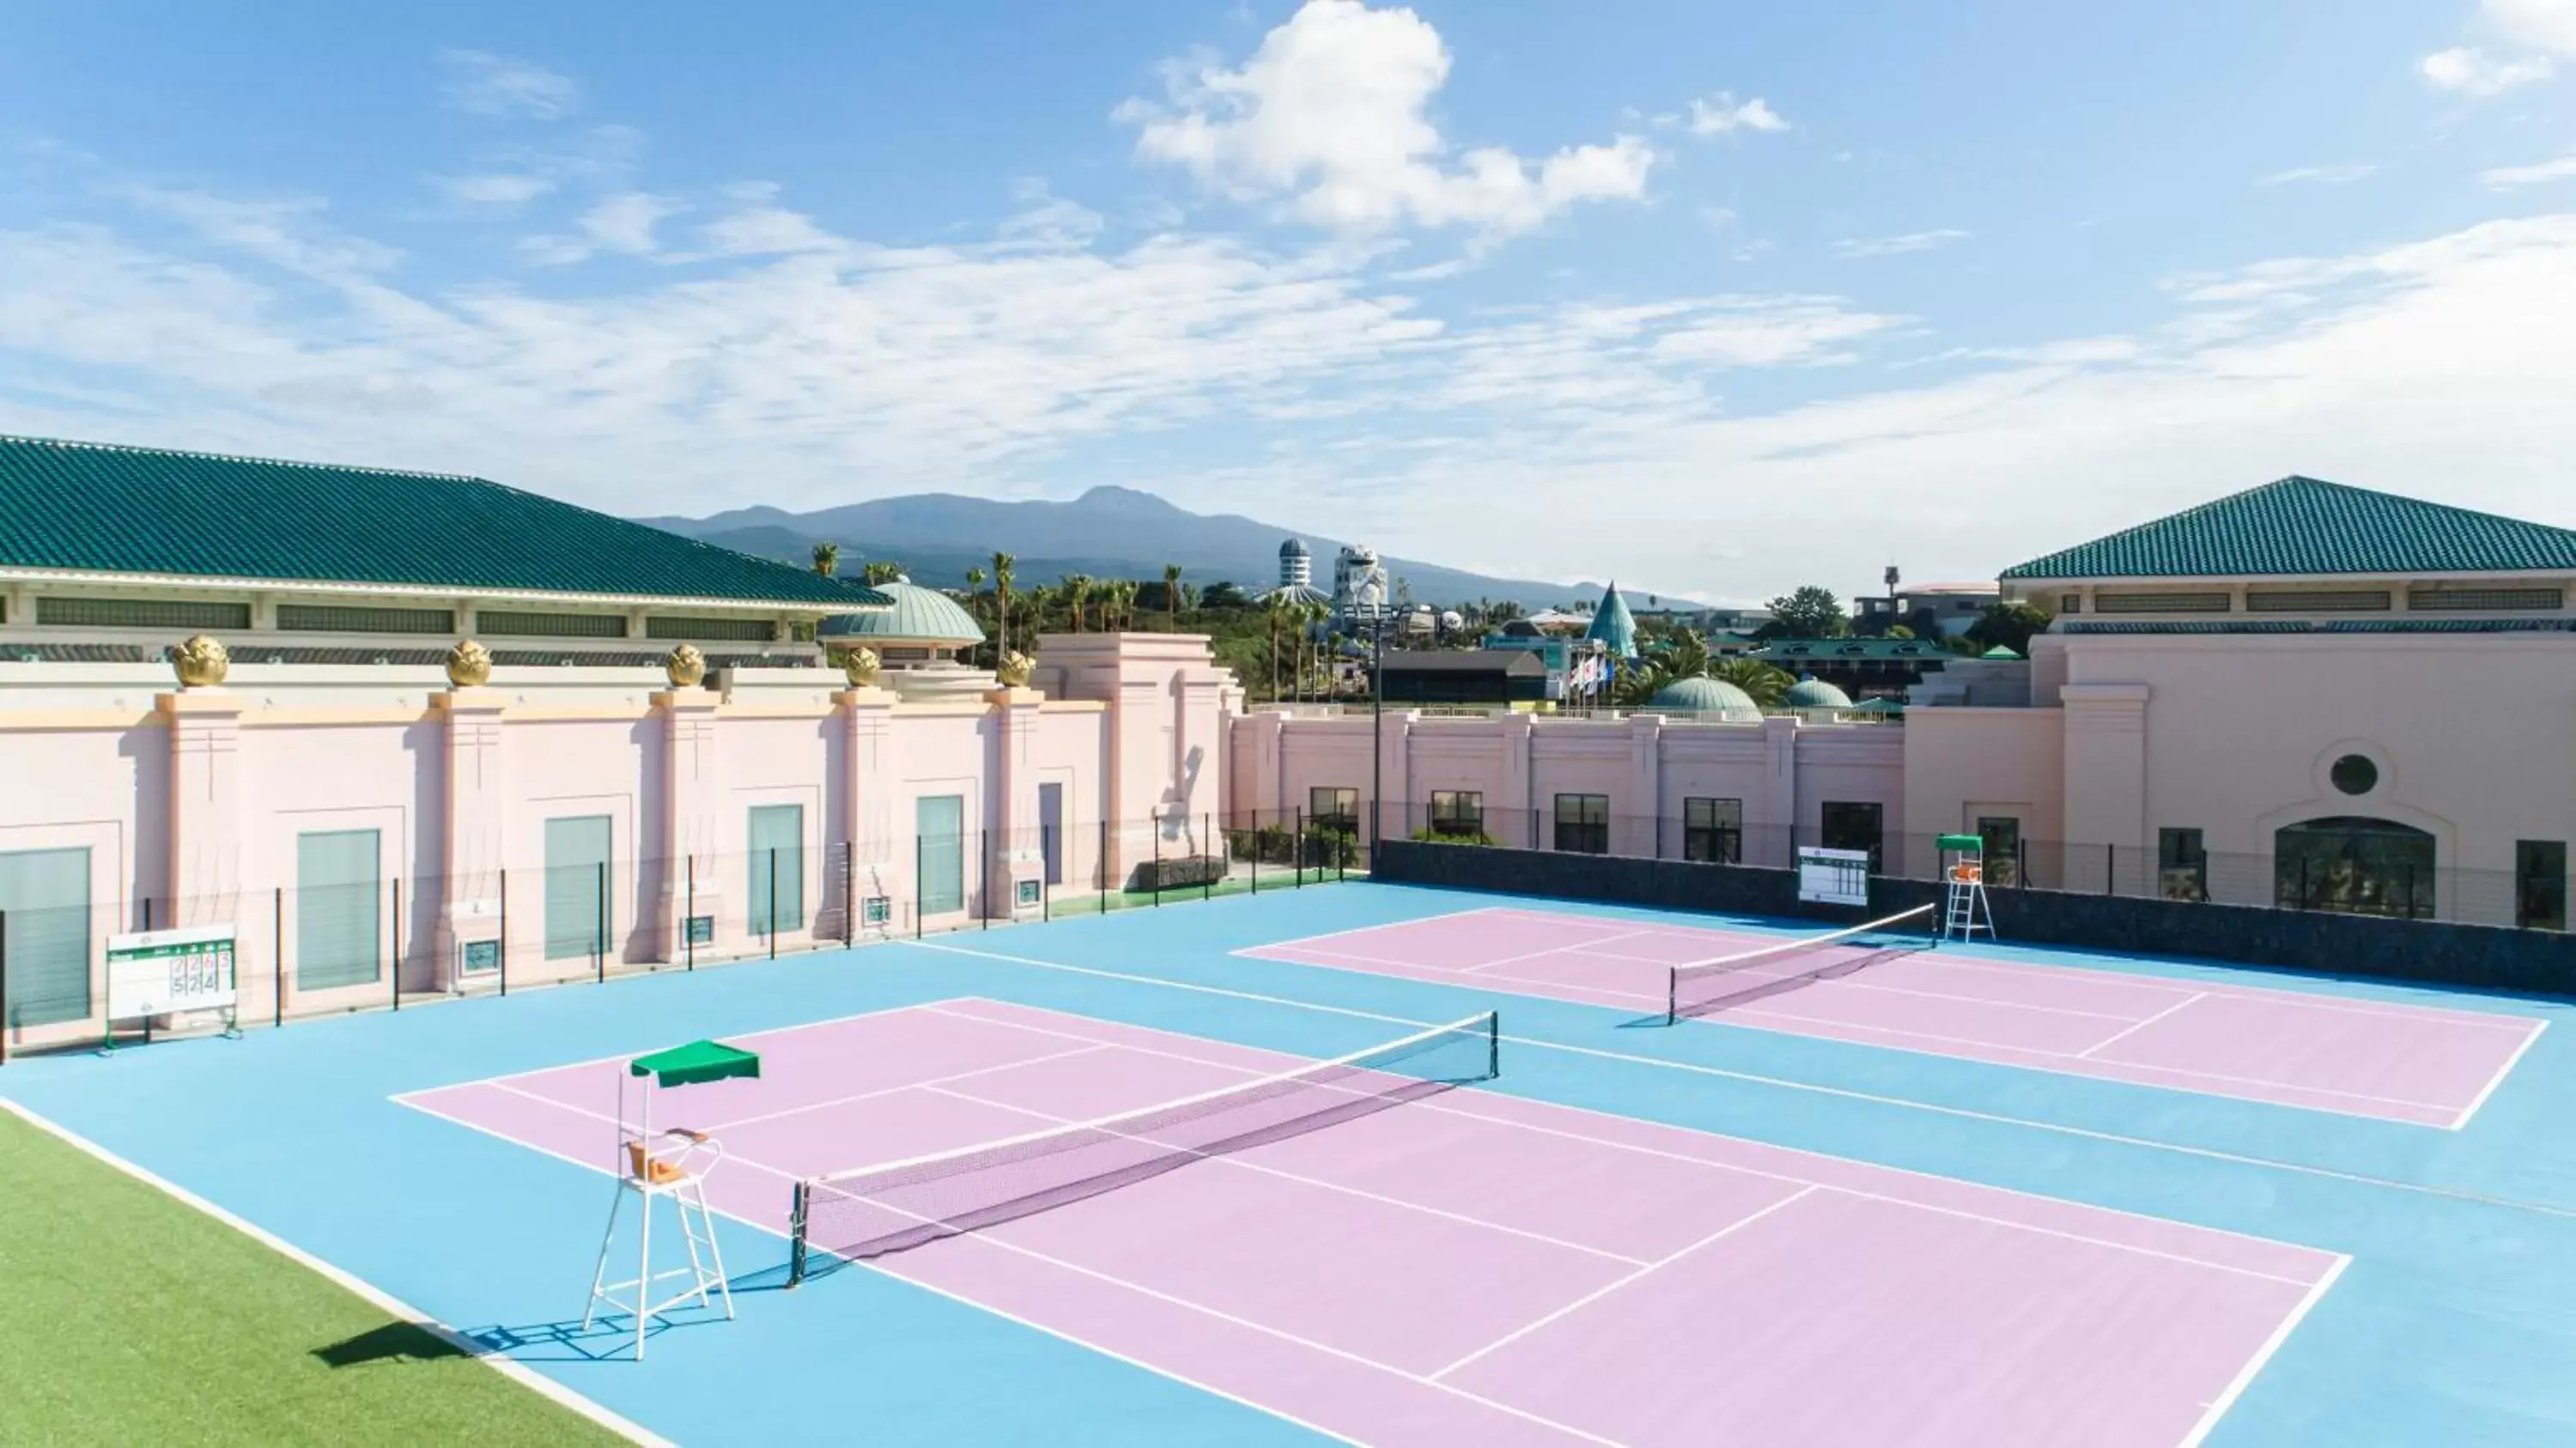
(127, 1316)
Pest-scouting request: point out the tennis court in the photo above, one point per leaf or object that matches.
(1890, 987)
(1372, 1253)
(1153, 1178)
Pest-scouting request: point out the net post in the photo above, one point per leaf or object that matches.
(796, 1232)
(1493, 1044)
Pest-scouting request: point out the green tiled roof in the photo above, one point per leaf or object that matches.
(1851, 648)
(2303, 526)
(94, 507)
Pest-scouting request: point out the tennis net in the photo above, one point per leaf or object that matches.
(1701, 985)
(894, 1206)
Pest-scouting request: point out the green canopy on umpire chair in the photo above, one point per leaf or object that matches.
(695, 1064)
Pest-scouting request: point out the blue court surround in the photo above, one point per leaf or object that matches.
(2452, 1325)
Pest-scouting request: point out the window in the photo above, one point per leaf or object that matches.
(1051, 830)
(2070, 603)
(1332, 807)
(738, 630)
(2182, 865)
(2317, 600)
(1583, 823)
(2002, 836)
(2353, 774)
(46, 895)
(333, 618)
(339, 902)
(576, 887)
(2162, 602)
(1852, 826)
(776, 836)
(941, 821)
(1457, 812)
(2540, 884)
(2482, 600)
(501, 623)
(1713, 830)
(2355, 866)
(141, 613)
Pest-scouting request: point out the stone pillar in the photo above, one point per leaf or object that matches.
(880, 860)
(207, 827)
(476, 833)
(1017, 855)
(693, 800)
(1523, 828)
(2106, 786)
(1397, 818)
(1781, 829)
(1645, 789)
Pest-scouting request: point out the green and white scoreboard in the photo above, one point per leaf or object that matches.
(167, 972)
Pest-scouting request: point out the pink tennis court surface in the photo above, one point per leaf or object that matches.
(2417, 1064)
(1474, 1268)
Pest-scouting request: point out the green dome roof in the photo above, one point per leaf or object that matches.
(1612, 626)
(919, 615)
(1703, 695)
(1811, 692)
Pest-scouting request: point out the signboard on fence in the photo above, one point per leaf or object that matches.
(164, 972)
(1833, 877)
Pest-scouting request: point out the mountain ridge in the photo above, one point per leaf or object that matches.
(1108, 531)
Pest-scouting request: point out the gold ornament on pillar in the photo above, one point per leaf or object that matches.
(860, 666)
(469, 665)
(686, 667)
(1014, 670)
(201, 663)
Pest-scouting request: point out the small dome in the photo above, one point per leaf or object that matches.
(1703, 695)
(1293, 548)
(919, 615)
(1999, 652)
(1811, 692)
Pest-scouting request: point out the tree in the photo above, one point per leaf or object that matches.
(1223, 595)
(827, 559)
(2008, 625)
(1077, 588)
(1808, 613)
(1003, 563)
(1899, 631)
(1171, 598)
(1761, 683)
(884, 571)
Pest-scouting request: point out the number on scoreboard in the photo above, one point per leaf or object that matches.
(1833, 877)
(166, 972)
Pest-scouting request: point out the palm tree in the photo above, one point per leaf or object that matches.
(1762, 683)
(1003, 563)
(1077, 587)
(975, 597)
(827, 559)
(882, 571)
(1278, 612)
(1171, 598)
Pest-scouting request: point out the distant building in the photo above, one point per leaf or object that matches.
(1930, 609)
(1473, 676)
(1297, 576)
(1611, 626)
(1862, 668)
(1360, 591)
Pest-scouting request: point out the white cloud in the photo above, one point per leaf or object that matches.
(2542, 24)
(494, 188)
(2322, 175)
(2503, 177)
(497, 85)
(623, 224)
(1330, 117)
(2474, 72)
(1719, 114)
(1912, 241)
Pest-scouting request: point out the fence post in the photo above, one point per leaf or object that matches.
(1207, 835)
(689, 911)
(2110, 869)
(1047, 847)
(8, 1022)
(773, 902)
(984, 870)
(1254, 838)
(505, 930)
(1104, 862)
(1155, 828)
(277, 980)
(599, 926)
(917, 860)
(1297, 850)
(393, 968)
(849, 892)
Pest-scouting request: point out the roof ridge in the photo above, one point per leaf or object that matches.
(183, 452)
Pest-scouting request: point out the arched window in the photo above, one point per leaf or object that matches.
(2355, 865)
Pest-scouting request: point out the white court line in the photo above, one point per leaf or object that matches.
(1784, 1178)
(2111, 972)
(2136, 1026)
(1239, 1163)
(376, 1297)
(1033, 1325)
(1642, 1271)
(404, 1096)
(1395, 924)
(1962, 1113)
(2262, 1356)
(2497, 1079)
(909, 1086)
(1752, 1017)
(1536, 954)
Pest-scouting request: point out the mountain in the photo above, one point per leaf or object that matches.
(1108, 532)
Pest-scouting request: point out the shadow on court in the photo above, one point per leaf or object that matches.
(394, 1342)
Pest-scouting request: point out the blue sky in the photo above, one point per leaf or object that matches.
(1721, 298)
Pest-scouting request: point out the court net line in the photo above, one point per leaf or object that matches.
(1962, 1113)
(1690, 971)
